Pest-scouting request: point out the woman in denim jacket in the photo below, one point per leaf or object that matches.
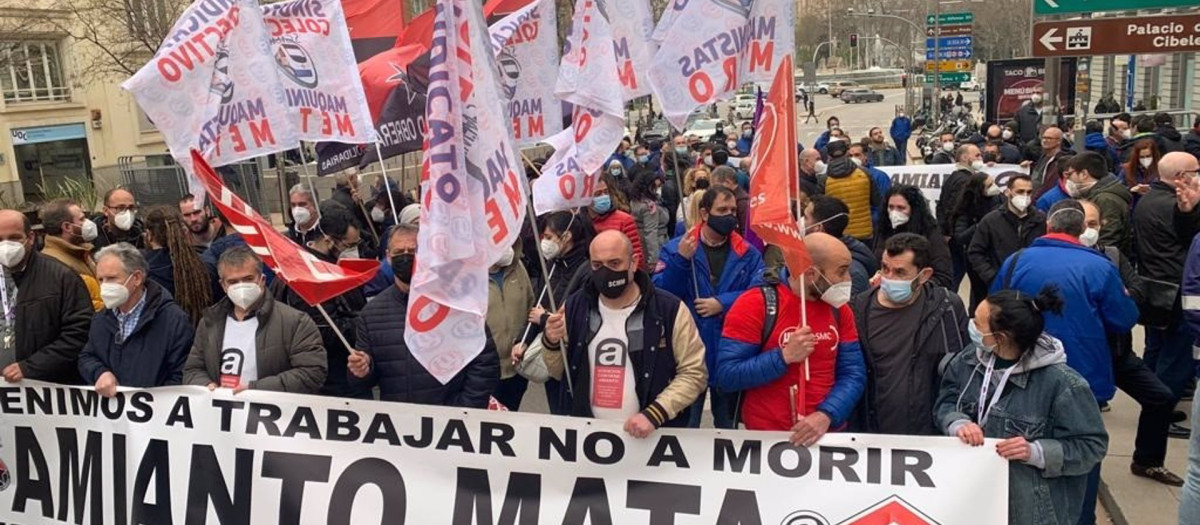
(1014, 384)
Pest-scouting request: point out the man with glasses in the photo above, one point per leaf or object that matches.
(119, 223)
(1046, 171)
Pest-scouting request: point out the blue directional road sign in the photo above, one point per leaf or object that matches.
(951, 54)
(950, 41)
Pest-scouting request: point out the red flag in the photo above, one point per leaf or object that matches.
(374, 25)
(773, 173)
(314, 280)
(419, 31)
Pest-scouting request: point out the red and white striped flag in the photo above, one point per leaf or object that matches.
(314, 280)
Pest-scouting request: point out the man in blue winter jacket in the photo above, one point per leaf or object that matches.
(900, 131)
(1096, 304)
(708, 267)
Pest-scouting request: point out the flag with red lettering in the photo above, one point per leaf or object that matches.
(588, 79)
(772, 170)
(715, 46)
(214, 86)
(314, 280)
(526, 46)
(321, 83)
(473, 190)
(635, 50)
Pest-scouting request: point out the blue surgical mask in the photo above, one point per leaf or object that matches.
(602, 204)
(643, 159)
(977, 337)
(897, 290)
(681, 149)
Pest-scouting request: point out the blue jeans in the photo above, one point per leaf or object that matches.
(723, 407)
(1169, 354)
(1087, 515)
(1189, 506)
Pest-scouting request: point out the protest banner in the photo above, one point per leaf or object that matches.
(526, 47)
(930, 177)
(716, 46)
(214, 86)
(588, 79)
(474, 194)
(187, 455)
(321, 87)
(374, 25)
(632, 44)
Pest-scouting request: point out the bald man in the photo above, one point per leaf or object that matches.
(822, 361)
(1164, 223)
(52, 308)
(1046, 171)
(642, 364)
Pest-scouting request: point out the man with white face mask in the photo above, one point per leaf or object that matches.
(249, 340)
(119, 223)
(510, 296)
(47, 301)
(1004, 231)
(811, 168)
(824, 356)
(1087, 177)
(304, 215)
(68, 236)
(142, 338)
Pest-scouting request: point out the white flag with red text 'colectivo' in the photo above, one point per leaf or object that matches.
(526, 46)
(588, 79)
(712, 47)
(321, 84)
(213, 86)
(473, 194)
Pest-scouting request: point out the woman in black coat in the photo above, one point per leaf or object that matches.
(908, 212)
(975, 199)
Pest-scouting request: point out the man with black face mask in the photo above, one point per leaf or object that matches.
(642, 362)
(725, 267)
(383, 359)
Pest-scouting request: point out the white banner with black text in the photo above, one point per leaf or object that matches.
(185, 455)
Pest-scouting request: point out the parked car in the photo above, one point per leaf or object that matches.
(657, 132)
(970, 85)
(838, 87)
(743, 106)
(818, 87)
(861, 95)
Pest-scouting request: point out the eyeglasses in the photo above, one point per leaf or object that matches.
(120, 209)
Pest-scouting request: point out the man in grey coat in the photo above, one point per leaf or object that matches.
(250, 341)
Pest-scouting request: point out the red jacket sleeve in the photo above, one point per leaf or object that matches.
(629, 228)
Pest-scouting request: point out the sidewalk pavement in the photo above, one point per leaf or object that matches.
(1131, 500)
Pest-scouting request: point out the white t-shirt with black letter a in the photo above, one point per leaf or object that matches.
(239, 354)
(613, 394)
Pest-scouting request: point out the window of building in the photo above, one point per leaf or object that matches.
(31, 71)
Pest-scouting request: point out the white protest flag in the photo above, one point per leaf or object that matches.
(474, 194)
(322, 86)
(526, 46)
(715, 47)
(588, 79)
(631, 30)
(213, 86)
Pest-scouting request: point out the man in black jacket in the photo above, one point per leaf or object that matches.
(907, 325)
(1191, 141)
(1004, 231)
(119, 222)
(1163, 227)
(968, 160)
(384, 360)
(1170, 138)
(53, 309)
(830, 215)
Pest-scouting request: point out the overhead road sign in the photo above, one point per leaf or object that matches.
(956, 30)
(1056, 7)
(1117, 36)
(950, 41)
(949, 66)
(951, 19)
(949, 78)
(951, 54)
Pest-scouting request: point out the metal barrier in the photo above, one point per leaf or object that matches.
(157, 179)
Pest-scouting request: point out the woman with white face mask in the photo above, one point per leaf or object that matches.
(1141, 170)
(908, 212)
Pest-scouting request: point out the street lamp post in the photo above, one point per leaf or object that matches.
(910, 50)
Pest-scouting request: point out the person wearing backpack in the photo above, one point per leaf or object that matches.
(792, 375)
(909, 327)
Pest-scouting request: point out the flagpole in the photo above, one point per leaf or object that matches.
(336, 330)
(308, 178)
(533, 226)
(386, 181)
(679, 183)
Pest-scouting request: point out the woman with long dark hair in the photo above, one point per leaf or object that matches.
(610, 211)
(1013, 384)
(977, 197)
(174, 264)
(908, 212)
(648, 212)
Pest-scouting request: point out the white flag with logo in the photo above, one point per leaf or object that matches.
(715, 47)
(474, 194)
(214, 86)
(631, 30)
(322, 86)
(588, 79)
(526, 46)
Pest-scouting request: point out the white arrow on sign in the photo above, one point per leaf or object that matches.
(1053, 5)
(1049, 39)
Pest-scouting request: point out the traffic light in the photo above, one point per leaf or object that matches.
(853, 40)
